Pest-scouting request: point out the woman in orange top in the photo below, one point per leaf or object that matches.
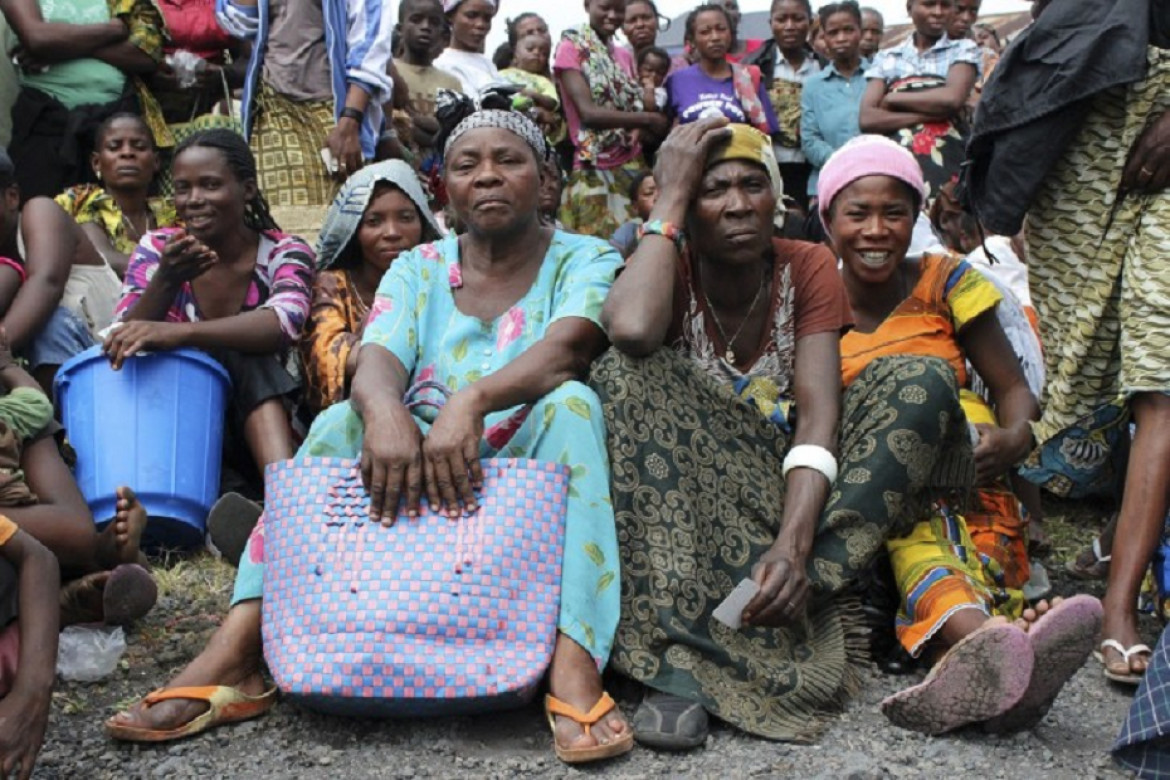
(956, 572)
(380, 213)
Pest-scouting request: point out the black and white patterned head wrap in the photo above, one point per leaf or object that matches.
(472, 117)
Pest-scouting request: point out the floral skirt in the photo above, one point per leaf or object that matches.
(597, 202)
(698, 498)
(939, 147)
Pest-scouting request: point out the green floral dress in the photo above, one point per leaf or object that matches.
(414, 316)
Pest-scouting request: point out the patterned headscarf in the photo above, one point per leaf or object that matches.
(345, 215)
(748, 143)
(512, 121)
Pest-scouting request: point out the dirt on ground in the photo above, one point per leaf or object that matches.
(1072, 741)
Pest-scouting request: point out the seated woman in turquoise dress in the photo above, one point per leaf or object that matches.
(506, 316)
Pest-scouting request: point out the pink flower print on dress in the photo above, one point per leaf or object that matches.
(455, 276)
(426, 375)
(429, 252)
(511, 327)
(502, 432)
(256, 542)
(382, 305)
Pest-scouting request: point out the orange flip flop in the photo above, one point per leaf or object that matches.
(554, 706)
(224, 705)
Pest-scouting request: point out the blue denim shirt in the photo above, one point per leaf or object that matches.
(829, 108)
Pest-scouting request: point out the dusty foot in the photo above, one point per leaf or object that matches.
(574, 679)
(81, 599)
(244, 675)
(121, 539)
(232, 657)
(1032, 614)
(1122, 626)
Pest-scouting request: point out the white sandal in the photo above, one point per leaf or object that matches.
(1132, 678)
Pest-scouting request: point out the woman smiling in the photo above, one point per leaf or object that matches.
(723, 385)
(229, 283)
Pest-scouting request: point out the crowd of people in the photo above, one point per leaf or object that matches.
(811, 311)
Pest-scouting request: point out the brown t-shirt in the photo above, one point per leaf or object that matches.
(423, 81)
(807, 297)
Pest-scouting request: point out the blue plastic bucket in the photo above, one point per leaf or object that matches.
(156, 426)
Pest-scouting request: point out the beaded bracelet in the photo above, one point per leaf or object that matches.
(658, 227)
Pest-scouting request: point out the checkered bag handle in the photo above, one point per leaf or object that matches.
(412, 401)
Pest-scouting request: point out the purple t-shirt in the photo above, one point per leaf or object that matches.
(692, 93)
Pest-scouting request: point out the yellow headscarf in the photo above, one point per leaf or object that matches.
(748, 143)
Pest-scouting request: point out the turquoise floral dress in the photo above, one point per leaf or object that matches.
(414, 316)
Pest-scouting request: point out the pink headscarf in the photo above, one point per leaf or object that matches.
(866, 155)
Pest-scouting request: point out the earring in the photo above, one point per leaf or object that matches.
(97, 173)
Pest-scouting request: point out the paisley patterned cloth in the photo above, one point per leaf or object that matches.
(415, 317)
(1101, 287)
(698, 497)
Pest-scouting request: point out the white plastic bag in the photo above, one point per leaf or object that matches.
(187, 67)
(89, 653)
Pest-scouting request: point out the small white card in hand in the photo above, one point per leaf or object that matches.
(730, 612)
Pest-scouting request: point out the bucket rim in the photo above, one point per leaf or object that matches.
(188, 353)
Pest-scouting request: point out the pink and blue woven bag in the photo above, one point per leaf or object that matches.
(431, 616)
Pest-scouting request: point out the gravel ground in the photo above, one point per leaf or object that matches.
(289, 743)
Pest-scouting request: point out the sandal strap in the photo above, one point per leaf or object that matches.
(204, 693)
(1101, 558)
(1125, 652)
(587, 719)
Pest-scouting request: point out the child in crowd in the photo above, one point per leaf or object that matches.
(653, 67)
(643, 194)
(420, 24)
(471, 22)
(715, 85)
(538, 97)
(787, 62)
(28, 651)
(831, 98)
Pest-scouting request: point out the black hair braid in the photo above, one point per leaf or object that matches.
(242, 163)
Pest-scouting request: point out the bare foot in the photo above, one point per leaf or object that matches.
(122, 538)
(1122, 626)
(574, 679)
(1032, 614)
(81, 599)
(232, 657)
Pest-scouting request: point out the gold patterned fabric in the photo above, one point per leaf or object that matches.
(147, 32)
(1100, 282)
(698, 498)
(596, 201)
(287, 139)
